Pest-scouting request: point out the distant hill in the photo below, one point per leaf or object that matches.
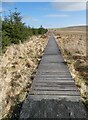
(72, 28)
(75, 28)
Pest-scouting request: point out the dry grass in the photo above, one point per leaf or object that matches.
(73, 47)
(17, 66)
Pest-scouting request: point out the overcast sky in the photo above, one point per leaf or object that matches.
(49, 14)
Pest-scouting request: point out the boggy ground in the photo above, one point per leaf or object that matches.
(17, 67)
(73, 45)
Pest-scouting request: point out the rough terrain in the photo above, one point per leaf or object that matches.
(17, 66)
(72, 43)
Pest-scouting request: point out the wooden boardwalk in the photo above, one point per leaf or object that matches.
(53, 87)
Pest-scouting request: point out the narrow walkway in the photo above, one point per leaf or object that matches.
(53, 92)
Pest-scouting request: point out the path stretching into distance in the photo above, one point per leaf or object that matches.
(53, 93)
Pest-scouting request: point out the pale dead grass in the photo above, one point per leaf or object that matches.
(17, 65)
(73, 48)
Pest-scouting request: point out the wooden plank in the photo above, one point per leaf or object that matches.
(54, 85)
(54, 81)
(64, 88)
(53, 77)
(55, 73)
(52, 70)
(56, 97)
(34, 92)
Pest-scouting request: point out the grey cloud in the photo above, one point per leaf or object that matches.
(69, 6)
